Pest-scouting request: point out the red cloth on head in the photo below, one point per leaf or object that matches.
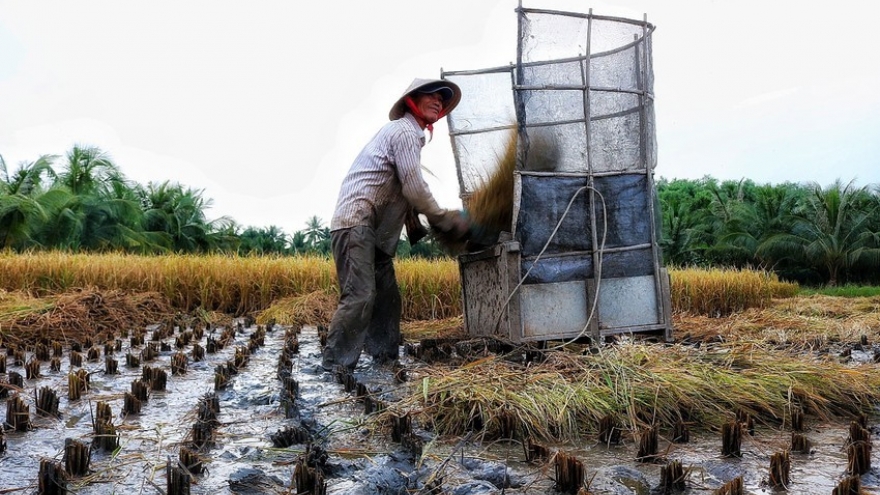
(418, 114)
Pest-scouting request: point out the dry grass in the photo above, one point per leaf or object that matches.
(764, 361)
(798, 321)
(564, 397)
(447, 328)
(230, 284)
(430, 289)
(314, 308)
(78, 314)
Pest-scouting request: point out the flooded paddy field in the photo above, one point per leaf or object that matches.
(252, 412)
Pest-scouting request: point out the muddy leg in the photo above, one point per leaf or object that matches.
(354, 253)
(383, 335)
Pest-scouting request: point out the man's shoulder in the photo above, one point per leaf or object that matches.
(405, 126)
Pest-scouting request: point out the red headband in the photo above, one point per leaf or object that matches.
(418, 114)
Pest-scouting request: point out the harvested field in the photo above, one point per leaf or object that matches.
(468, 416)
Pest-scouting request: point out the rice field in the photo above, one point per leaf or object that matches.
(746, 345)
(236, 285)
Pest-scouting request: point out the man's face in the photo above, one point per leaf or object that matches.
(430, 104)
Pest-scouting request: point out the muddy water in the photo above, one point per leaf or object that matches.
(243, 460)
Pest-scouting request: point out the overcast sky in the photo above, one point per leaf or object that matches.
(264, 105)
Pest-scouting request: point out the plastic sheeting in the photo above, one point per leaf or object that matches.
(579, 102)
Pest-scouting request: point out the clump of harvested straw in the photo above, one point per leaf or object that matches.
(446, 328)
(567, 395)
(490, 206)
(314, 308)
(81, 314)
(800, 322)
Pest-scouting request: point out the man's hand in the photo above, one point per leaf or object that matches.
(415, 231)
(454, 225)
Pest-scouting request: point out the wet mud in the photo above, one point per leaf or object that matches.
(279, 423)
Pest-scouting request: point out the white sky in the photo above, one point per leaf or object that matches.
(264, 105)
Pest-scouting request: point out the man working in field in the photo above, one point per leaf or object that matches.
(382, 190)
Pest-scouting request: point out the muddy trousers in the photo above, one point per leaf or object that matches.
(368, 315)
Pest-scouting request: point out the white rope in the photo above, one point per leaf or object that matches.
(598, 270)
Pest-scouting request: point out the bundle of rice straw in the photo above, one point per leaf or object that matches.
(490, 206)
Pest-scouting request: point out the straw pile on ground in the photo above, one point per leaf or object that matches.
(314, 308)
(804, 322)
(447, 328)
(639, 384)
(78, 314)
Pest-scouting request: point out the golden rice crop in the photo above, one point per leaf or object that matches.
(235, 284)
(429, 288)
(720, 292)
(232, 284)
(225, 283)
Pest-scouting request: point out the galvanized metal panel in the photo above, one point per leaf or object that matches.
(627, 302)
(557, 310)
(582, 94)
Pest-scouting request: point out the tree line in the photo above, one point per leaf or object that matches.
(806, 232)
(83, 202)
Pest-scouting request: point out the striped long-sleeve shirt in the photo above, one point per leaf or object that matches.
(384, 182)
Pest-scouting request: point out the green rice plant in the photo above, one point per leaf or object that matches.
(843, 291)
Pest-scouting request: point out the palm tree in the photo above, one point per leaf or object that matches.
(271, 240)
(113, 220)
(88, 170)
(683, 231)
(178, 213)
(832, 231)
(686, 220)
(23, 201)
(94, 206)
(317, 236)
(298, 242)
(769, 214)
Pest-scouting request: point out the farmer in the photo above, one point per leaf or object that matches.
(383, 190)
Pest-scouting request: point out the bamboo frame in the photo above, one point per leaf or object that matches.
(641, 166)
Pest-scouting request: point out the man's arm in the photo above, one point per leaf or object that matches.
(407, 156)
(407, 153)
